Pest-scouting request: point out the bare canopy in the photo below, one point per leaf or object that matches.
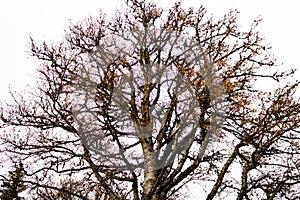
(142, 105)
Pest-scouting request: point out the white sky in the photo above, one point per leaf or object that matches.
(48, 19)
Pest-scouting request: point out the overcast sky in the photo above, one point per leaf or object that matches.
(48, 19)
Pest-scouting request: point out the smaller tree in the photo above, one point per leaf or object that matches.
(13, 185)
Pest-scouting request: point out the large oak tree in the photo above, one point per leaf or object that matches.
(141, 105)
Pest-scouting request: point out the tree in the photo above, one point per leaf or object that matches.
(13, 185)
(142, 105)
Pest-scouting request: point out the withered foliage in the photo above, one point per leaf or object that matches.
(252, 152)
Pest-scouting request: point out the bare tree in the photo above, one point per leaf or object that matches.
(141, 105)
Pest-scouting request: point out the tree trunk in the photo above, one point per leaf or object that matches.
(150, 176)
